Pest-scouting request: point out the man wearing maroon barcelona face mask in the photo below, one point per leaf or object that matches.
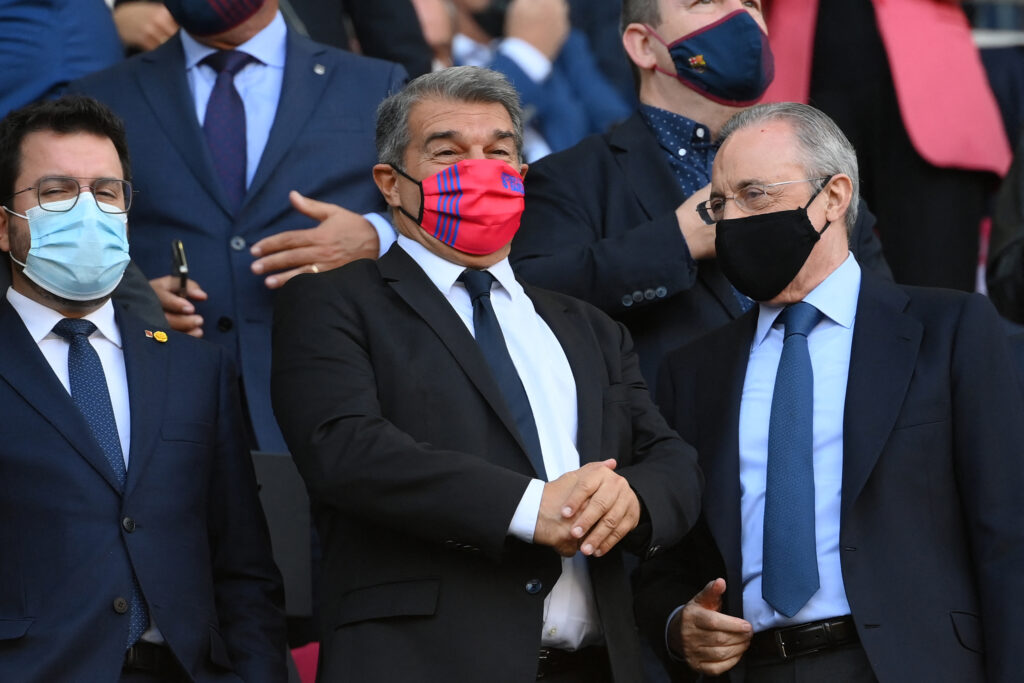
(478, 449)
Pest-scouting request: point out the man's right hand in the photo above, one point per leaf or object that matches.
(709, 641)
(699, 236)
(145, 25)
(543, 24)
(179, 311)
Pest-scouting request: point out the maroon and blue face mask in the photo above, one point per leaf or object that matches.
(728, 61)
(473, 206)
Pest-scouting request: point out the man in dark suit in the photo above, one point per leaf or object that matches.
(308, 113)
(612, 220)
(458, 444)
(863, 512)
(134, 543)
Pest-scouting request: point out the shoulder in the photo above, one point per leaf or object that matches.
(346, 64)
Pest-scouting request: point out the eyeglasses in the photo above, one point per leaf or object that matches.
(749, 198)
(110, 194)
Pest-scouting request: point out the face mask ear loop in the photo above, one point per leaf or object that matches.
(15, 213)
(419, 184)
(815, 196)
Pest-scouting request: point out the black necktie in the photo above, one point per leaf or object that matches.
(224, 124)
(90, 394)
(790, 563)
(492, 344)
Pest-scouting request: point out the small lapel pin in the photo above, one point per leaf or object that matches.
(149, 334)
(159, 335)
(319, 69)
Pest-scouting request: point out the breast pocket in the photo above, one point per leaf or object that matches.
(192, 432)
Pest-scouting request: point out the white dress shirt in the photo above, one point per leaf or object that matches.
(829, 345)
(570, 613)
(258, 84)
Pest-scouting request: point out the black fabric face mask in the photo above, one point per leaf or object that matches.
(761, 254)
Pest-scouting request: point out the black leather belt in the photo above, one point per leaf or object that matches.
(803, 639)
(551, 660)
(143, 656)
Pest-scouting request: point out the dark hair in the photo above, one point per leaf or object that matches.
(638, 12)
(69, 114)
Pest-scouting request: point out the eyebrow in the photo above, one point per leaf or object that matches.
(454, 134)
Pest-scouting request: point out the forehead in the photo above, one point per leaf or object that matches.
(763, 152)
(474, 121)
(80, 155)
(686, 16)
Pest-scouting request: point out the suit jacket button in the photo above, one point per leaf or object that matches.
(649, 294)
(120, 605)
(237, 243)
(638, 296)
(660, 292)
(224, 324)
(534, 586)
(627, 300)
(128, 524)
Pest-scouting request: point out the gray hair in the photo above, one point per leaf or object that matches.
(824, 149)
(457, 84)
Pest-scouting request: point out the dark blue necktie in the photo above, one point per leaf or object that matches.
(492, 344)
(224, 124)
(90, 394)
(790, 565)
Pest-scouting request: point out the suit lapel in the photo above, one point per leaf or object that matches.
(163, 83)
(146, 367)
(638, 154)
(410, 283)
(885, 345)
(304, 82)
(23, 366)
(725, 368)
(583, 359)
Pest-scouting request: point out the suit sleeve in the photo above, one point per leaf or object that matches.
(247, 585)
(325, 392)
(988, 431)
(571, 239)
(389, 29)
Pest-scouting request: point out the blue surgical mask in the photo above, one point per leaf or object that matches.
(728, 61)
(79, 254)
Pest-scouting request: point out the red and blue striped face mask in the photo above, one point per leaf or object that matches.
(473, 206)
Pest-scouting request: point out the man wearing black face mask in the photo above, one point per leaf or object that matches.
(861, 443)
(612, 220)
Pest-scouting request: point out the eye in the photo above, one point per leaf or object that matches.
(753, 197)
(716, 205)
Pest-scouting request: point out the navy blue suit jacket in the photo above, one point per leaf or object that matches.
(931, 538)
(321, 144)
(188, 521)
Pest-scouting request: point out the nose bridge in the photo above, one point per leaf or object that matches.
(731, 207)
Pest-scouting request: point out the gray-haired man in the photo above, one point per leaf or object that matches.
(478, 449)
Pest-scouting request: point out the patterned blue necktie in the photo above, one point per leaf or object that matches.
(89, 392)
(224, 123)
(790, 564)
(492, 344)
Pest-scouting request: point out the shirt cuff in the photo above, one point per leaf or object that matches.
(524, 521)
(672, 655)
(385, 231)
(528, 58)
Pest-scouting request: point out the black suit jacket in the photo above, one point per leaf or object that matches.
(400, 432)
(931, 534)
(188, 522)
(600, 225)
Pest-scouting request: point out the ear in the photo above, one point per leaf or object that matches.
(838, 195)
(387, 182)
(523, 169)
(640, 46)
(5, 240)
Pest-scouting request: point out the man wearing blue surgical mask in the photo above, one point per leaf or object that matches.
(135, 547)
(613, 220)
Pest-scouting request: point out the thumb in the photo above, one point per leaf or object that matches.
(310, 207)
(610, 463)
(710, 596)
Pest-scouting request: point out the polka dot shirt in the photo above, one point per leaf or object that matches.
(687, 145)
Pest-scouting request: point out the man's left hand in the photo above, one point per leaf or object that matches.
(605, 506)
(342, 236)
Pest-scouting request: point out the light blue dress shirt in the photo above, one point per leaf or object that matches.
(829, 344)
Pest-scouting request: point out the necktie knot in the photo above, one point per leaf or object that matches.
(478, 282)
(800, 318)
(228, 61)
(69, 328)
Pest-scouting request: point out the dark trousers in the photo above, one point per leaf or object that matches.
(928, 217)
(846, 664)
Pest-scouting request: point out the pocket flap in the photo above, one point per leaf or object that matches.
(968, 630)
(396, 599)
(14, 628)
(180, 430)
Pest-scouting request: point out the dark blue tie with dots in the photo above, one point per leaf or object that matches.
(492, 343)
(90, 394)
(224, 123)
(790, 563)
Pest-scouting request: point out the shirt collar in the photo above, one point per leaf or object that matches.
(444, 274)
(40, 319)
(836, 297)
(268, 46)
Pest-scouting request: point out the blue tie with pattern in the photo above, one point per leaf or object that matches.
(224, 123)
(790, 563)
(492, 343)
(90, 394)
